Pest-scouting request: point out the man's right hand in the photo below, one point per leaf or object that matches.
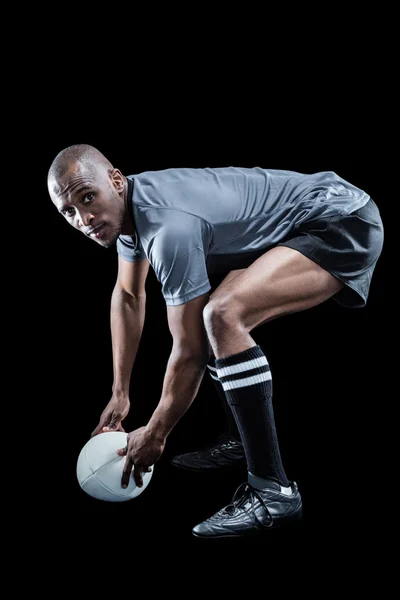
(113, 414)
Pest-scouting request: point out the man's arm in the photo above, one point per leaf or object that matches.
(186, 365)
(128, 307)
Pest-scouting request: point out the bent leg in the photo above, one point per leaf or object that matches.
(280, 282)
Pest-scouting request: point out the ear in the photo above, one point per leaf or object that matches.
(117, 180)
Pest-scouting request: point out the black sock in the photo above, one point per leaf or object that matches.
(232, 428)
(246, 380)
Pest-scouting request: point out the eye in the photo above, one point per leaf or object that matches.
(68, 211)
(88, 198)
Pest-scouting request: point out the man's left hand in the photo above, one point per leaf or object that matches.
(143, 449)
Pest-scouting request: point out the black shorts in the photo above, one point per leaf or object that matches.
(347, 246)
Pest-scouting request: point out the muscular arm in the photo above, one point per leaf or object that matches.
(186, 365)
(128, 306)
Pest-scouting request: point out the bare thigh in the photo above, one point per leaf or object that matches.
(279, 282)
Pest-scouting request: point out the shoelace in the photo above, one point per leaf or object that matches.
(222, 442)
(227, 446)
(246, 492)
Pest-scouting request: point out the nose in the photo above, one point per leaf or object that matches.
(85, 219)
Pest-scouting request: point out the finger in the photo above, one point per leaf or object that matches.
(146, 469)
(122, 451)
(98, 429)
(112, 426)
(137, 475)
(126, 472)
(118, 428)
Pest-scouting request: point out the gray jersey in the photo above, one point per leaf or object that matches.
(192, 223)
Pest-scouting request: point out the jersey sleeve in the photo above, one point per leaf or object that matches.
(178, 256)
(126, 248)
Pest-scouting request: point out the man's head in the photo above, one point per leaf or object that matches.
(89, 193)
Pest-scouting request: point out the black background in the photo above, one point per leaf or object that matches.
(307, 90)
(328, 364)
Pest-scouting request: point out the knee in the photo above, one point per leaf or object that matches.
(221, 312)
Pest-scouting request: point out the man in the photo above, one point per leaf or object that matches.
(290, 241)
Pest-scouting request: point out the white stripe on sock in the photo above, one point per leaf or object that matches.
(261, 361)
(212, 368)
(238, 383)
(214, 377)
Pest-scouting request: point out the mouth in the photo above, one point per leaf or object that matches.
(97, 232)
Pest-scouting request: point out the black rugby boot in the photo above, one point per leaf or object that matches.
(253, 512)
(226, 453)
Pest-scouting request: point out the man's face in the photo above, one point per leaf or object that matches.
(92, 201)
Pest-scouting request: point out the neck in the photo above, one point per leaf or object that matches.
(127, 224)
